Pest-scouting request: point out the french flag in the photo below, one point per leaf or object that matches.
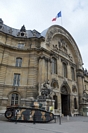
(58, 15)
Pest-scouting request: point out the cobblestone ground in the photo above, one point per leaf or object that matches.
(77, 124)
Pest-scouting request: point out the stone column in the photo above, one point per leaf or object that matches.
(49, 70)
(42, 73)
(42, 69)
(71, 104)
(80, 85)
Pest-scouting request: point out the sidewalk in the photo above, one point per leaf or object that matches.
(77, 124)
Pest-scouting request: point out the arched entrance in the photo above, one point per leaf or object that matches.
(65, 101)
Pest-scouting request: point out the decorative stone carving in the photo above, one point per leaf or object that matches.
(54, 83)
(85, 72)
(64, 61)
(65, 82)
(62, 45)
(85, 97)
(74, 89)
(55, 47)
(48, 40)
(57, 30)
(51, 34)
(45, 58)
(70, 57)
(46, 90)
(64, 90)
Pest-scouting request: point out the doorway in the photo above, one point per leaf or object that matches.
(65, 102)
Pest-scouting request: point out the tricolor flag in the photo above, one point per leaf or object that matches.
(58, 15)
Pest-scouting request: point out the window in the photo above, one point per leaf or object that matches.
(18, 62)
(75, 103)
(16, 81)
(65, 70)
(14, 99)
(54, 65)
(72, 73)
(21, 45)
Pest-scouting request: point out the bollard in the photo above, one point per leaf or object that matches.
(55, 119)
(59, 120)
(34, 119)
(68, 117)
(16, 117)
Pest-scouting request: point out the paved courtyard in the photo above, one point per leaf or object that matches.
(77, 124)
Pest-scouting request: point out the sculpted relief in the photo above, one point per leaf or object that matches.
(63, 43)
(61, 46)
(85, 96)
(56, 40)
(46, 91)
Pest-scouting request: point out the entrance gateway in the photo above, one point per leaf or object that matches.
(65, 101)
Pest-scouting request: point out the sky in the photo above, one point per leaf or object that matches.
(38, 15)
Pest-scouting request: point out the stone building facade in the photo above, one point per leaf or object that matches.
(29, 58)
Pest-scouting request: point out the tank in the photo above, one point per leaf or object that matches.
(31, 114)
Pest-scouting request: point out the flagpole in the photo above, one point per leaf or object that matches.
(61, 19)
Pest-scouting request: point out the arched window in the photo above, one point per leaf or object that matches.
(18, 62)
(64, 70)
(72, 73)
(75, 103)
(14, 99)
(54, 65)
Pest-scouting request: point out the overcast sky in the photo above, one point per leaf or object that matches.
(38, 15)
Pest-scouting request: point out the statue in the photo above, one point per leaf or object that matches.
(85, 97)
(62, 45)
(85, 72)
(46, 90)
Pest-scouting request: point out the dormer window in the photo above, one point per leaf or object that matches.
(22, 32)
(20, 45)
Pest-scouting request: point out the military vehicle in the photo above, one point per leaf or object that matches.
(31, 114)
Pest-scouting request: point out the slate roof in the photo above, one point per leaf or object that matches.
(15, 32)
